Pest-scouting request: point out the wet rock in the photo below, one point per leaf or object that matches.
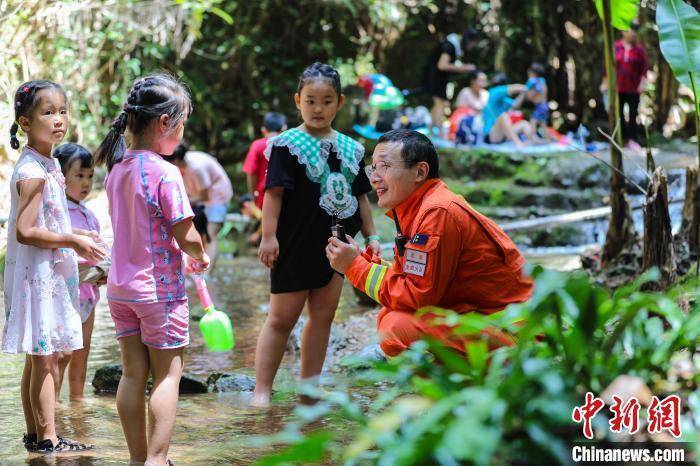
(219, 382)
(106, 381)
(595, 175)
(364, 358)
(190, 385)
(336, 340)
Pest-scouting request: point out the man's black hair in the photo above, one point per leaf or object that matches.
(415, 147)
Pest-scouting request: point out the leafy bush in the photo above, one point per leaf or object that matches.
(511, 405)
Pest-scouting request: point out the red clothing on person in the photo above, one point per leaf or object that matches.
(256, 164)
(455, 259)
(630, 65)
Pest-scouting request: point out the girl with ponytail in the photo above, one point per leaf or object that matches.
(41, 273)
(145, 285)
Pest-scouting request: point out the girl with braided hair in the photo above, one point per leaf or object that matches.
(41, 273)
(315, 178)
(152, 221)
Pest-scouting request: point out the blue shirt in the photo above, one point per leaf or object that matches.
(538, 84)
(499, 102)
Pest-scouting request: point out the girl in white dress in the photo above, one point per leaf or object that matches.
(41, 274)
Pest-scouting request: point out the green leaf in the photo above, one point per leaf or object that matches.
(622, 12)
(310, 449)
(223, 15)
(679, 38)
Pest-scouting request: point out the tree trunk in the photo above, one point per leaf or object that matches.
(666, 93)
(658, 238)
(621, 229)
(690, 226)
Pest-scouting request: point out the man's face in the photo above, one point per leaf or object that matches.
(393, 179)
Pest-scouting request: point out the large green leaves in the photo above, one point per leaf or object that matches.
(622, 12)
(679, 38)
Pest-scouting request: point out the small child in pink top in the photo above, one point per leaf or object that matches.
(152, 223)
(77, 167)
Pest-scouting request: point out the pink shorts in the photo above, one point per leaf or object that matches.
(161, 325)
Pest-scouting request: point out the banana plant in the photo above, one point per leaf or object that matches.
(679, 38)
(622, 12)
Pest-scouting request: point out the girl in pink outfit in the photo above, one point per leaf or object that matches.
(77, 167)
(152, 223)
(41, 274)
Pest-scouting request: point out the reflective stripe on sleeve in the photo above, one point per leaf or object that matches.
(374, 280)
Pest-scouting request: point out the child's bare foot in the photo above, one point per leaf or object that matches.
(260, 400)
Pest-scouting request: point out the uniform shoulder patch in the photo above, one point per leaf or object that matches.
(420, 239)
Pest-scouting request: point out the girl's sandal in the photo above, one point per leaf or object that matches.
(29, 442)
(63, 445)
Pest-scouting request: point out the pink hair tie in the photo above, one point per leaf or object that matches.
(26, 89)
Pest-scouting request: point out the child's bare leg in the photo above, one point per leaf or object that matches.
(322, 305)
(77, 369)
(212, 248)
(285, 309)
(24, 393)
(64, 358)
(42, 395)
(503, 130)
(131, 395)
(166, 368)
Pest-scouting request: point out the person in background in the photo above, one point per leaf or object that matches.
(537, 94)
(474, 96)
(78, 169)
(443, 62)
(206, 183)
(255, 168)
(631, 66)
(498, 126)
(255, 165)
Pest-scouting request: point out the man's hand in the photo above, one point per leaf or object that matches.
(341, 254)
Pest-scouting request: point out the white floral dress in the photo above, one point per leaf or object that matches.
(41, 285)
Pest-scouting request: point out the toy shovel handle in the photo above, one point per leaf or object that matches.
(203, 292)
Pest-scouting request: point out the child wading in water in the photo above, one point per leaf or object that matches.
(145, 286)
(313, 173)
(77, 167)
(537, 94)
(41, 273)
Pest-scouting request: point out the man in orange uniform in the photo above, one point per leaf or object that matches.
(451, 256)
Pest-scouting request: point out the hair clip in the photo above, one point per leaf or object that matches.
(136, 108)
(26, 89)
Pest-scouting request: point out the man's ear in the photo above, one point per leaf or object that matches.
(422, 172)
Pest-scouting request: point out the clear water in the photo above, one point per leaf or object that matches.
(210, 428)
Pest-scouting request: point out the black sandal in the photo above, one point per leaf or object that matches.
(63, 445)
(29, 442)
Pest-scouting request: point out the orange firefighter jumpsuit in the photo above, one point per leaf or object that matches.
(455, 258)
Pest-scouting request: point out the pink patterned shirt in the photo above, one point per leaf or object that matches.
(146, 198)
